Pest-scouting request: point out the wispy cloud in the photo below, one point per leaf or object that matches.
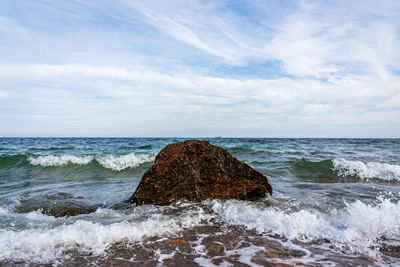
(137, 68)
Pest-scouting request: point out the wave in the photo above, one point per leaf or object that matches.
(51, 148)
(145, 147)
(47, 161)
(12, 160)
(239, 149)
(115, 163)
(46, 244)
(358, 228)
(367, 170)
(111, 162)
(130, 147)
(340, 167)
(123, 162)
(318, 167)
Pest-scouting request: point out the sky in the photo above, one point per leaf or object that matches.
(262, 68)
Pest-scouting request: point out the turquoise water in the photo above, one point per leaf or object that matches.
(335, 202)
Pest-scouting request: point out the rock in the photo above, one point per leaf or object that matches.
(57, 205)
(59, 209)
(68, 210)
(197, 170)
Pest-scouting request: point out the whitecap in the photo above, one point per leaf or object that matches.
(367, 170)
(118, 163)
(302, 224)
(51, 160)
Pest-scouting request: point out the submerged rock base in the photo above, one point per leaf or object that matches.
(197, 170)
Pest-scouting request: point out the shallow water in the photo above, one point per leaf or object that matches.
(335, 202)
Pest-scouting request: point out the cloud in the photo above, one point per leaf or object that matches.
(11, 27)
(209, 27)
(96, 90)
(176, 68)
(313, 39)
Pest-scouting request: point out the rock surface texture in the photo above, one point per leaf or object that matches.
(196, 170)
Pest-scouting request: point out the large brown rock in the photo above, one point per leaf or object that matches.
(196, 170)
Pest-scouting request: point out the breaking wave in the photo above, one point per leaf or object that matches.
(348, 168)
(46, 244)
(356, 229)
(367, 170)
(116, 163)
(47, 161)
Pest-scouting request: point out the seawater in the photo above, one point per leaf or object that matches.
(335, 202)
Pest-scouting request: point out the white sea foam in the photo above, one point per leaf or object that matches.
(367, 170)
(116, 163)
(51, 160)
(39, 216)
(161, 257)
(122, 162)
(357, 227)
(3, 210)
(46, 244)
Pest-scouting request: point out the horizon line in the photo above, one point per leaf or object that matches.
(197, 137)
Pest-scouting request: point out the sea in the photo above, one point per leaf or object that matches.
(335, 202)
